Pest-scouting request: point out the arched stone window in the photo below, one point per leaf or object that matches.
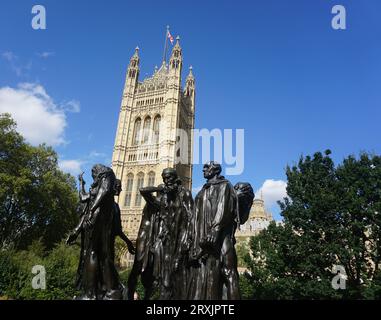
(156, 129)
(139, 184)
(137, 129)
(129, 184)
(146, 129)
(132, 73)
(151, 178)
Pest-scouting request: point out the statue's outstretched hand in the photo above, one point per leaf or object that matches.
(80, 178)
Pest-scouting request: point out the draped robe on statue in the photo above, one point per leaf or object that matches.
(163, 242)
(171, 241)
(97, 277)
(215, 212)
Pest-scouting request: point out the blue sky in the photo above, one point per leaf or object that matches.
(272, 67)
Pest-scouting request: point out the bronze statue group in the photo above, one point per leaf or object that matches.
(184, 249)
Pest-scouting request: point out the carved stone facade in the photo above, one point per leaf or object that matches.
(151, 114)
(259, 219)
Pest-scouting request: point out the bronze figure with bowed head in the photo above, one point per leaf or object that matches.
(163, 239)
(117, 230)
(97, 278)
(214, 272)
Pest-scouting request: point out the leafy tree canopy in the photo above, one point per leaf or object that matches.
(331, 217)
(37, 200)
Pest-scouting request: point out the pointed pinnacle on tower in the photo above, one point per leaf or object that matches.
(176, 48)
(190, 74)
(177, 44)
(136, 53)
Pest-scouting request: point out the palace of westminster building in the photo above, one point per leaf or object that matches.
(151, 112)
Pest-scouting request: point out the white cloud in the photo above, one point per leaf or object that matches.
(272, 191)
(96, 154)
(15, 65)
(45, 54)
(108, 162)
(73, 167)
(76, 166)
(9, 55)
(38, 118)
(196, 190)
(72, 106)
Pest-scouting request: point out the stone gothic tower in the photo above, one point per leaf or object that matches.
(147, 138)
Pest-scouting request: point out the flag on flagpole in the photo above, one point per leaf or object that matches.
(170, 37)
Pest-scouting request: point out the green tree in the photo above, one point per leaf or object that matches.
(242, 250)
(9, 272)
(60, 265)
(139, 287)
(120, 250)
(24, 260)
(37, 200)
(331, 217)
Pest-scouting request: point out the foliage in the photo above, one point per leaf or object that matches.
(8, 272)
(242, 250)
(60, 265)
(120, 251)
(246, 286)
(124, 279)
(331, 217)
(37, 200)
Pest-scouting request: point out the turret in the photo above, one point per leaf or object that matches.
(176, 60)
(132, 72)
(189, 84)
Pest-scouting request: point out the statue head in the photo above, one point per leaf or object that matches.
(94, 171)
(170, 177)
(245, 194)
(118, 187)
(100, 170)
(211, 169)
(244, 187)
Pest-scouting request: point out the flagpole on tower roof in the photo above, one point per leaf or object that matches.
(165, 46)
